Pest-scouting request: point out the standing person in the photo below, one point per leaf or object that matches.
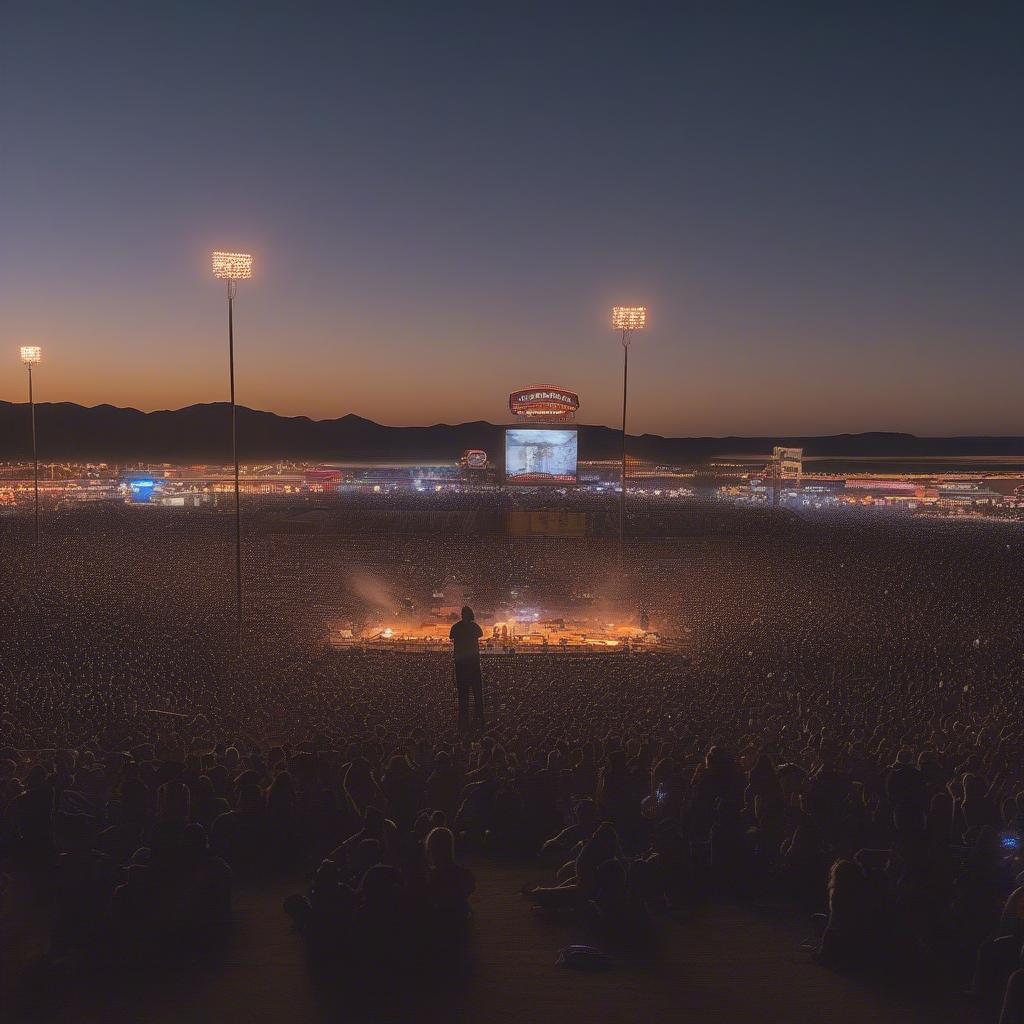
(465, 635)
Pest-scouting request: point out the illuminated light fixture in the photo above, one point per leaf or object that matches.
(626, 319)
(629, 318)
(231, 266)
(31, 354)
(544, 401)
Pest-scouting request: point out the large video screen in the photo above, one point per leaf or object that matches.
(540, 456)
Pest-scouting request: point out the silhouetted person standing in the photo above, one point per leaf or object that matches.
(465, 635)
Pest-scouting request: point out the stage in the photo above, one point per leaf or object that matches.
(553, 637)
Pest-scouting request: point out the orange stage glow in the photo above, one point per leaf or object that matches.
(526, 637)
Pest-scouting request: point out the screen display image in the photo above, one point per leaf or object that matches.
(540, 456)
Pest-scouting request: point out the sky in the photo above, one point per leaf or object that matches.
(820, 204)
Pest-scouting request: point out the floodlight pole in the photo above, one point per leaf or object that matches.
(234, 267)
(622, 477)
(35, 455)
(234, 457)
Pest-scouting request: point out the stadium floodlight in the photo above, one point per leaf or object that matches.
(626, 319)
(32, 355)
(231, 266)
(629, 318)
(234, 267)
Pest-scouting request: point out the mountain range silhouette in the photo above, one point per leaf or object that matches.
(202, 433)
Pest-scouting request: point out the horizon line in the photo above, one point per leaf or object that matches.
(491, 423)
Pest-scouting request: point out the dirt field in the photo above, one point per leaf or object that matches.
(726, 964)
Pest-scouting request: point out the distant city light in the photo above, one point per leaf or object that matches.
(629, 318)
(31, 354)
(232, 266)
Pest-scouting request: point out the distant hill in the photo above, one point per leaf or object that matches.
(201, 433)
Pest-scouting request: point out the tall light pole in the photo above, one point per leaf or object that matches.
(31, 355)
(234, 267)
(626, 319)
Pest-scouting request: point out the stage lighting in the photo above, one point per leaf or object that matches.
(231, 266)
(31, 354)
(629, 318)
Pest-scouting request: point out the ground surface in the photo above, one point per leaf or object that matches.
(726, 964)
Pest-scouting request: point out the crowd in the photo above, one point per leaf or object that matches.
(845, 739)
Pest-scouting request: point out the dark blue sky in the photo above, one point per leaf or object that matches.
(820, 203)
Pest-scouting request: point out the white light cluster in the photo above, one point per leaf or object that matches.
(231, 266)
(629, 318)
(31, 354)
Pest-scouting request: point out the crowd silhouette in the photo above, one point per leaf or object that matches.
(844, 739)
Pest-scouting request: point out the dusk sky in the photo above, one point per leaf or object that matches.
(822, 208)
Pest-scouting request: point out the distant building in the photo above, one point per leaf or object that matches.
(138, 487)
(322, 480)
(785, 470)
(184, 499)
(967, 494)
(790, 464)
